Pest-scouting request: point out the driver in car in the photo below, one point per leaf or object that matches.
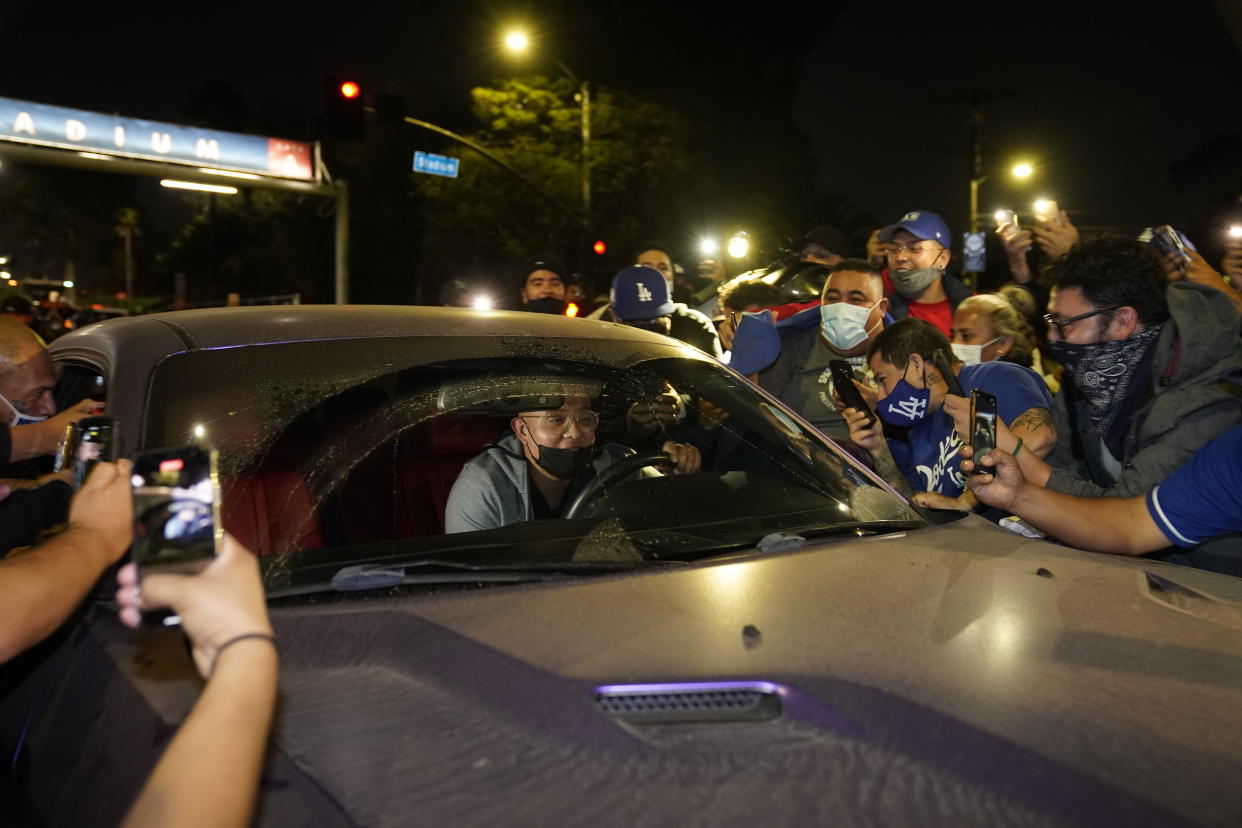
(535, 471)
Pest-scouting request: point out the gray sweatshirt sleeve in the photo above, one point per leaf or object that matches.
(473, 502)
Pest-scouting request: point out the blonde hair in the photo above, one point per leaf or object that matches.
(1004, 320)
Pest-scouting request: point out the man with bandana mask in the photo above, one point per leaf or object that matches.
(908, 360)
(917, 282)
(535, 471)
(1142, 389)
(792, 356)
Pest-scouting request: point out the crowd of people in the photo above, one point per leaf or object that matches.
(1114, 362)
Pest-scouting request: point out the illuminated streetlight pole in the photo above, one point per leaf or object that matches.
(517, 41)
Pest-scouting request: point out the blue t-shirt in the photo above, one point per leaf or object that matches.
(1203, 498)
(930, 460)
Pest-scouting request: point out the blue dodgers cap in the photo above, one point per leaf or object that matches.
(921, 224)
(640, 293)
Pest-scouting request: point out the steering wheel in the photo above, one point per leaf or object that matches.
(609, 475)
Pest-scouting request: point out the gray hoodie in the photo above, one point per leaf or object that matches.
(493, 489)
(1188, 406)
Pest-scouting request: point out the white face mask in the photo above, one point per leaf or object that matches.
(970, 354)
(844, 325)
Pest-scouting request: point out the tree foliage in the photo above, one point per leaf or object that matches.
(640, 153)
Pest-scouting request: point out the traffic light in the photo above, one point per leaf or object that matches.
(600, 248)
(343, 116)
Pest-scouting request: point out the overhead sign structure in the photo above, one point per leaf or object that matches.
(432, 164)
(111, 135)
(974, 252)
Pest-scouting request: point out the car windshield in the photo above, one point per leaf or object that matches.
(340, 453)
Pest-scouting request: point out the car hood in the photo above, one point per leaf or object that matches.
(953, 670)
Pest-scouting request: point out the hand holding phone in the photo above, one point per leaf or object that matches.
(1007, 226)
(176, 509)
(93, 441)
(1169, 241)
(1046, 210)
(982, 426)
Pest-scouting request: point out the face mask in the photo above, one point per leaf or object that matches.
(912, 283)
(564, 463)
(18, 417)
(970, 354)
(906, 406)
(547, 304)
(844, 325)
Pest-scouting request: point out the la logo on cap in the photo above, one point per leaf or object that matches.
(910, 217)
(644, 295)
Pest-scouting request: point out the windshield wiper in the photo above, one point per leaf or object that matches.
(437, 570)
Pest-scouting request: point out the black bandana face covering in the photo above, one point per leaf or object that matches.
(564, 463)
(1104, 371)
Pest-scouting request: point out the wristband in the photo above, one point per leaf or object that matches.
(1016, 448)
(271, 639)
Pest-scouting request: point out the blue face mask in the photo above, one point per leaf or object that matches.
(19, 418)
(906, 406)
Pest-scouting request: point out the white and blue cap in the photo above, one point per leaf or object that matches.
(921, 224)
(640, 293)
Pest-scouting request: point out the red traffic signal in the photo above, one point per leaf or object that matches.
(599, 247)
(350, 90)
(344, 115)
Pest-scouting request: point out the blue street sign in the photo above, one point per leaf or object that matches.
(432, 164)
(74, 129)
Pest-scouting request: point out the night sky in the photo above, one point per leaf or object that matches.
(862, 101)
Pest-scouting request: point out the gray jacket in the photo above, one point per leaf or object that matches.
(1188, 406)
(493, 489)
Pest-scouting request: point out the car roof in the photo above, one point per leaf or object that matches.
(207, 328)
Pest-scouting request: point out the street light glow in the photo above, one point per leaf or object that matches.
(1022, 170)
(516, 41)
(1235, 232)
(174, 184)
(739, 246)
(709, 247)
(68, 284)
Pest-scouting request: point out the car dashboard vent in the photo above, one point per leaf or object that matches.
(740, 701)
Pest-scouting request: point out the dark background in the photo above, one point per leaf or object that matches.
(851, 113)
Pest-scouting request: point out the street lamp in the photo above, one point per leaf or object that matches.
(517, 42)
(1021, 170)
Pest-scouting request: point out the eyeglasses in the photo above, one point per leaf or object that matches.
(1062, 324)
(914, 249)
(586, 420)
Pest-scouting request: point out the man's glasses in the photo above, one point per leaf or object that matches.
(914, 249)
(585, 420)
(1062, 324)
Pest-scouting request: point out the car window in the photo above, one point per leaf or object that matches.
(349, 451)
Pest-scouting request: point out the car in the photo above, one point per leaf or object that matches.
(781, 638)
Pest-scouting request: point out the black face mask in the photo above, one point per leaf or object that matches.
(564, 463)
(547, 304)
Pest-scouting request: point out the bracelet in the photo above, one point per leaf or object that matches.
(1016, 448)
(271, 639)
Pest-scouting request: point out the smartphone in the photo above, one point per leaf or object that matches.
(94, 441)
(982, 426)
(843, 383)
(176, 510)
(1007, 224)
(1046, 210)
(1167, 240)
(1235, 235)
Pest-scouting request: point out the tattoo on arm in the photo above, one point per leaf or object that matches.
(1031, 419)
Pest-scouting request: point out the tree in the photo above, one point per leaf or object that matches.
(640, 156)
